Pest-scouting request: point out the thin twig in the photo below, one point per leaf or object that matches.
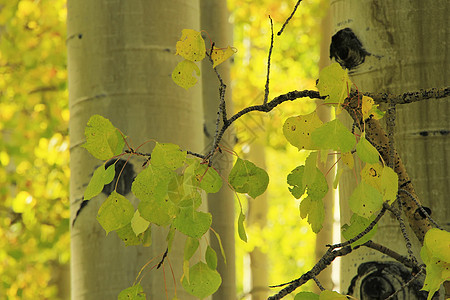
(319, 285)
(420, 207)
(266, 90)
(405, 285)
(162, 259)
(363, 233)
(289, 18)
(391, 253)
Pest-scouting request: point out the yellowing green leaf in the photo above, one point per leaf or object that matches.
(220, 55)
(357, 225)
(335, 83)
(127, 235)
(245, 177)
(366, 151)
(190, 247)
(371, 173)
(115, 212)
(435, 253)
(222, 251)
(389, 184)
(152, 183)
(331, 295)
(347, 159)
(297, 130)
(315, 212)
(183, 74)
(103, 140)
(138, 223)
(306, 296)
(365, 200)
(369, 108)
(241, 228)
(191, 45)
(168, 155)
(192, 223)
(314, 183)
(295, 179)
(211, 258)
(208, 178)
(203, 281)
(158, 211)
(333, 135)
(98, 180)
(136, 292)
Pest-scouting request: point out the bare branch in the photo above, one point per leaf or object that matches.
(289, 18)
(266, 90)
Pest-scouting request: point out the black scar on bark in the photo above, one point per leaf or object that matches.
(347, 49)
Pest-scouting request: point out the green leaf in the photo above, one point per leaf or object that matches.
(245, 177)
(115, 212)
(389, 184)
(135, 292)
(357, 225)
(436, 256)
(211, 258)
(152, 183)
(314, 183)
(158, 211)
(306, 296)
(335, 83)
(366, 151)
(128, 236)
(170, 237)
(208, 178)
(103, 140)
(315, 212)
(331, 295)
(192, 223)
(297, 130)
(241, 228)
(100, 178)
(222, 251)
(190, 246)
(295, 178)
(183, 76)
(168, 155)
(365, 200)
(333, 135)
(138, 223)
(203, 281)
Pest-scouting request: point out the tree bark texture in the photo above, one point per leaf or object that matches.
(120, 60)
(407, 41)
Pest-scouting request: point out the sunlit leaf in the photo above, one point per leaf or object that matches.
(314, 210)
(152, 183)
(138, 223)
(331, 295)
(211, 258)
(389, 184)
(103, 140)
(135, 292)
(183, 74)
(306, 296)
(357, 225)
(333, 135)
(314, 184)
(335, 83)
(191, 45)
(116, 212)
(241, 228)
(219, 55)
(245, 177)
(297, 130)
(347, 159)
(203, 281)
(365, 200)
(192, 223)
(370, 109)
(366, 151)
(295, 179)
(100, 178)
(371, 173)
(168, 155)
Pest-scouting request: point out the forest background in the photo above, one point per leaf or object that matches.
(34, 143)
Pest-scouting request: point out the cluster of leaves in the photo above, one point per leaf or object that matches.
(169, 190)
(34, 149)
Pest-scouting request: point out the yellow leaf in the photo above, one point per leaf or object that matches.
(219, 55)
(191, 46)
(371, 173)
(347, 159)
(182, 74)
(369, 108)
(297, 130)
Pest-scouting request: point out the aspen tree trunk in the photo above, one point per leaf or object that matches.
(214, 20)
(120, 59)
(410, 40)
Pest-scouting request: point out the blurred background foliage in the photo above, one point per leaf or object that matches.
(34, 144)
(34, 149)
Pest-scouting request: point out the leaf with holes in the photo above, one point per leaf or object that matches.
(183, 76)
(245, 177)
(99, 179)
(297, 130)
(370, 109)
(103, 140)
(116, 212)
(135, 292)
(208, 179)
(219, 55)
(389, 184)
(128, 236)
(333, 135)
(203, 281)
(334, 83)
(365, 200)
(191, 45)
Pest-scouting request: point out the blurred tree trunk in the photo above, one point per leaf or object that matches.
(214, 20)
(120, 59)
(408, 43)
